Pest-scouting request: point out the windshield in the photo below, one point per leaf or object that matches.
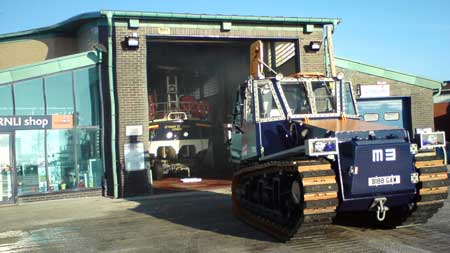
(347, 99)
(324, 96)
(295, 94)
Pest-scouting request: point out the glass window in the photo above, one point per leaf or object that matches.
(295, 94)
(371, 117)
(349, 106)
(238, 108)
(267, 105)
(87, 97)
(29, 97)
(324, 96)
(60, 159)
(6, 187)
(249, 106)
(30, 161)
(58, 91)
(6, 101)
(90, 163)
(391, 116)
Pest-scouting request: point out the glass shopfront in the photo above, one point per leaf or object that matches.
(58, 157)
(6, 185)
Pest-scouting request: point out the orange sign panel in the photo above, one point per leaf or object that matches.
(62, 121)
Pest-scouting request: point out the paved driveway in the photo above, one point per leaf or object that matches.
(189, 222)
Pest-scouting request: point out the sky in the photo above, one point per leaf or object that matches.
(408, 36)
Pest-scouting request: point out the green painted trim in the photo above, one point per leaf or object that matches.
(49, 67)
(231, 18)
(387, 73)
(169, 16)
(214, 26)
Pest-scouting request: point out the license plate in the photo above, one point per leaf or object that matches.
(387, 180)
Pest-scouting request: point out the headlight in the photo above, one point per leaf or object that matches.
(323, 146)
(319, 146)
(169, 135)
(413, 148)
(186, 134)
(432, 140)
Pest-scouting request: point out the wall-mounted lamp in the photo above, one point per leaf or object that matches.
(315, 45)
(132, 40)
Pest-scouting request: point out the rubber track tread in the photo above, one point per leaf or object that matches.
(433, 169)
(320, 212)
(428, 203)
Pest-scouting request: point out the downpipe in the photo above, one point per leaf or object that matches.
(109, 17)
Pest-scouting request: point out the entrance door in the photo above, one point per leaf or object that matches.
(6, 170)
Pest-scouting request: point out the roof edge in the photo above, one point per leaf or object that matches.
(88, 15)
(50, 66)
(171, 15)
(219, 17)
(387, 73)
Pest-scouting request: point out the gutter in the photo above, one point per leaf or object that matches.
(109, 17)
(439, 91)
(237, 18)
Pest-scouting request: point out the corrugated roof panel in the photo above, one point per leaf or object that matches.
(387, 73)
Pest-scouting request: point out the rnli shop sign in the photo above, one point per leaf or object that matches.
(9, 123)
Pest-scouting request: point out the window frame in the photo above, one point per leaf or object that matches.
(256, 88)
(396, 113)
(311, 98)
(353, 98)
(371, 113)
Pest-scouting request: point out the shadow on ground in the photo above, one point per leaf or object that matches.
(208, 211)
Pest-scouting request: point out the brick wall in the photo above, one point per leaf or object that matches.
(421, 98)
(131, 72)
(312, 61)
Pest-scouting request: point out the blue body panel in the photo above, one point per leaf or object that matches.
(376, 158)
(274, 137)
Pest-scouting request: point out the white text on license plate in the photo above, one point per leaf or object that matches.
(387, 180)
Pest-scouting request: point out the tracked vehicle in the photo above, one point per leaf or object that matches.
(304, 156)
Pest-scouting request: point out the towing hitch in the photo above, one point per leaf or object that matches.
(381, 209)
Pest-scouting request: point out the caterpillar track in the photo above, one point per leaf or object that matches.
(432, 188)
(281, 197)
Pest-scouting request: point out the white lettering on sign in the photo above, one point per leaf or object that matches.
(377, 155)
(370, 91)
(388, 154)
(24, 122)
(36, 122)
(12, 121)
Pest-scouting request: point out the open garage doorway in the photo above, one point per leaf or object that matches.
(191, 85)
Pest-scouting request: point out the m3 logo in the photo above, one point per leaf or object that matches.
(380, 155)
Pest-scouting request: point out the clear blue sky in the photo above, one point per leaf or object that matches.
(409, 36)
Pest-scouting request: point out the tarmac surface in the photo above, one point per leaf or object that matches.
(190, 222)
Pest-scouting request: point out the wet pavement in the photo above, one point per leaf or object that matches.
(189, 222)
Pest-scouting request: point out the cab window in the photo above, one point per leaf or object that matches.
(324, 96)
(296, 97)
